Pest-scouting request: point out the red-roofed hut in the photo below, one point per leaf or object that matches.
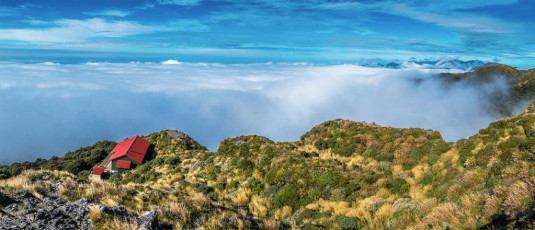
(129, 153)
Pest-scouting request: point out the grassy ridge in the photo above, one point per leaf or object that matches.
(79, 162)
(520, 84)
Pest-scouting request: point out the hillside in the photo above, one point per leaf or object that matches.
(78, 162)
(340, 175)
(520, 86)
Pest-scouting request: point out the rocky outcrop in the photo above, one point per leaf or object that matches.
(22, 210)
(149, 221)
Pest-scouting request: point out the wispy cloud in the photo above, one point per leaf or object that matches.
(8, 11)
(13, 10)
(463, 22)
(179, 2)
(73, 30)
(145, 6)
(70, 30)
(187, 25)
(112, 13)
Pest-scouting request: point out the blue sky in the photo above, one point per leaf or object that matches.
(324, 32)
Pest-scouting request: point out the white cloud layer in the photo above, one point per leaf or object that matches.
(62, 107)
(171, 62)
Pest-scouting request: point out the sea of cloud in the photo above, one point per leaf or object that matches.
(49, 108)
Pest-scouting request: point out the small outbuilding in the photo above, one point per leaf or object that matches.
(97, 172)
(129, 153)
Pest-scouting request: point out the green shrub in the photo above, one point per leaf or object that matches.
(234, 184)
(325, 178)
(321, 145)
(427, 179)
(286, 196)
(338, 194)
(306, 214)
(314, 193)
(345, 222)
(211, 177)
(84, 173)
(432, 159)
(221, 185)
(343, 149)
(256, 187)
(271, 176)
(172, 160)
(371, 177)
(306, 201)
(245, 164)
(399, 186)
(385, 156)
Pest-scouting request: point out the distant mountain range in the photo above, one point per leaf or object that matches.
(444, 63)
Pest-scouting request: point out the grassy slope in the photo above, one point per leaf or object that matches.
(521, 85)
(80, 161)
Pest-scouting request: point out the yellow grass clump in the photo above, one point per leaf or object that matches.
(259, 205)
(450, 215)
(200, 201)
(271, 224)
(283, 213)
(242, 197)
(180, 210)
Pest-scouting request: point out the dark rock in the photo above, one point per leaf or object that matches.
(173, 134)
(22, 210)
(25, 211)
(237, 142)
(149, 221)
(196, 166)
(115, 211)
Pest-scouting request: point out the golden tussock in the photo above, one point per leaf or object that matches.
(180, 210)
(450, 215)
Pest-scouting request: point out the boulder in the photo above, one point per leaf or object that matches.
(149, 221)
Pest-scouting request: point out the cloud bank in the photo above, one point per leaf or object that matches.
(52, 108)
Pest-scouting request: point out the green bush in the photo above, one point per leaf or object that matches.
(314, 193)
(221, 185)
(234, 184)
(371, 177)
(345, 222)
(286, 196)
(306, 214)
(256, 187)
(427, 179)
(399, 186)
(245, 164)
(306, 201)
(385, 156)
(344, 149)
(211, 177)
(325, 178)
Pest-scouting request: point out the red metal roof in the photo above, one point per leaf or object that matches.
(122, 164)
(134, 147)
(97, 171)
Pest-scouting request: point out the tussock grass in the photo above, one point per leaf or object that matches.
(181, 210)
